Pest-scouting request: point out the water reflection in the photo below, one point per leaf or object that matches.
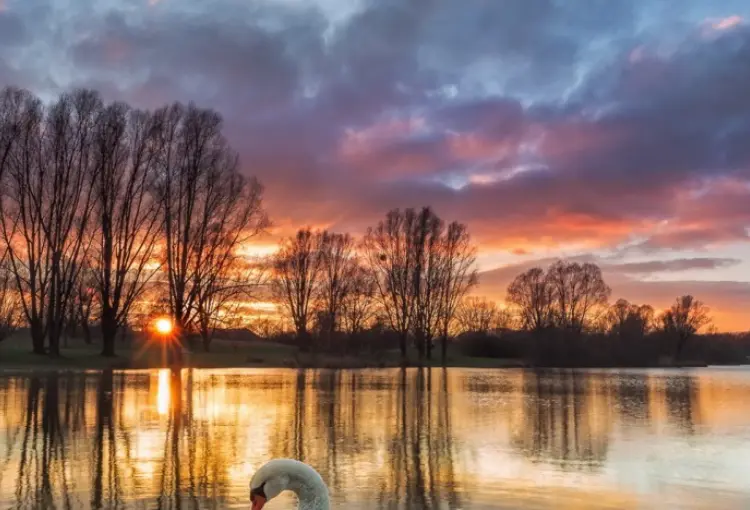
(388, 439)
(565, 420)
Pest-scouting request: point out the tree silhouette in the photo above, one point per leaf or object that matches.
(684, 319)
(577, 290)
(296, 279)
(533, 297)
(480, 315)
(126, 145)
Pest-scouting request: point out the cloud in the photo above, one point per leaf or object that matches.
(542, 124)
(656, 266)
(12, 29)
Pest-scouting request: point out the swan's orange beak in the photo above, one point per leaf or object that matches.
(257, 501)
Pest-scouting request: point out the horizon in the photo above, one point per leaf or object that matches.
(612, 133)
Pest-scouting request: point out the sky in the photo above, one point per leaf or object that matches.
(610, 131)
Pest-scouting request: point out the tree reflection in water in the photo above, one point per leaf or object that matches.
(387, 439)
(566, 419)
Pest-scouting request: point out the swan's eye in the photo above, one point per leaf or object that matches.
(258, 492)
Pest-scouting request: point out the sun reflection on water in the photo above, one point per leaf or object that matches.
(163, 392)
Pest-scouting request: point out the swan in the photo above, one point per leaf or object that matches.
(279, 475)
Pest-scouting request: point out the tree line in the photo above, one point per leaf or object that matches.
(108, 212)
(573, 297)
(413, 276)
(409, 273)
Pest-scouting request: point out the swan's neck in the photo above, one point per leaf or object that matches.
(298, 477)
(312, 494)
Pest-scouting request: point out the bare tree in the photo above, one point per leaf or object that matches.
(66, 202)
(421, 271)
(358, 306)
(391, 255)
(579, 289)
(684, 319)
(209, 209)
(627, 320)
(22, 130)
(338, 267)
(481, 315)
(47, 207)
(458, 275)
(296, 278)
(533, 297)
(428, 280)
(126, 144)
(228, 283)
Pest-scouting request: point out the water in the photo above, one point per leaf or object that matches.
(382, 439)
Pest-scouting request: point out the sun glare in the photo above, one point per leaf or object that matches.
(163, 326)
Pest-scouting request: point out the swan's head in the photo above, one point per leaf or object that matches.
(279, 475)
(261, 492)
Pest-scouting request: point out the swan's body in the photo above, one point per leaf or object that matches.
(279, 475)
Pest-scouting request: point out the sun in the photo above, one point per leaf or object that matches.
(163, 326)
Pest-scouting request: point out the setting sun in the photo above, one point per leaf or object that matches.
(163, 326)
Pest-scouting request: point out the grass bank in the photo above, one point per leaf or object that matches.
(15, 355)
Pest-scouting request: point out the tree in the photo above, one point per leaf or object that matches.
(208, 208)
(338, 267)
(684, 319)
(67, 199)
(391, 255)
(429, 279)
(126, 144)
(230, 282)
(20, 214)
(627, 321)
(533, 297)
(480, 315)
(421, 271)
(578, 290)
(358, 306)
(47, 206)
(458, 275)
(296, 278)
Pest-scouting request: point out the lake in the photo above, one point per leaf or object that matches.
(382, 439)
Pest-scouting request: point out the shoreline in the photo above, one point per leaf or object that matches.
(16, 357)
(124, 364)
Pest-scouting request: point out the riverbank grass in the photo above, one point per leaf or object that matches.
(15, 354)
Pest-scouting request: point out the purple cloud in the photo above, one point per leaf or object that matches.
(542, 124)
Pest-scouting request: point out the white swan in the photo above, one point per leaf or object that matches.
(279, 475)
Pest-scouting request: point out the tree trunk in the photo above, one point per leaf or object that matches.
(109, 331)
(444, 348)
(420, 344)
(53, 331)
(37, 338)
(402, 346)
(206, 339)
(86, 332)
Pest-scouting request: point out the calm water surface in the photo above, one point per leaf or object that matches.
(387, 439)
